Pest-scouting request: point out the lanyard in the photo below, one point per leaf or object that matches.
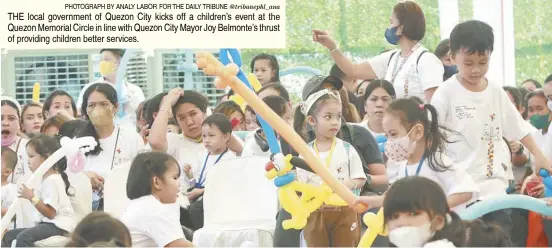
(395, 70)
(115, 149)
(199, 181)
(329, 157)
(417, 169)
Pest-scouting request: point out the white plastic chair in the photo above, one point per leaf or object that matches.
(115, 195)
(81, 201)
(240, 205)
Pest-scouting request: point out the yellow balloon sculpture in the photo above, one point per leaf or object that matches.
(238, 100)
(375, 227)
(36, 92)
(254, 82)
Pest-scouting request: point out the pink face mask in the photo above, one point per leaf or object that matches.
(8, 141)
(398, 149)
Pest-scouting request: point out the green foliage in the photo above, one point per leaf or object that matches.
(358, 26)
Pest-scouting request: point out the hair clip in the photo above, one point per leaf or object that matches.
(421, 106)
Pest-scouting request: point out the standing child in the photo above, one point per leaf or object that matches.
(266, 68)
(53, 204)
(481, 111)
(331, 225)
(216, 131)
(9, 190)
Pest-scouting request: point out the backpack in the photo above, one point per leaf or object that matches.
(417, 61)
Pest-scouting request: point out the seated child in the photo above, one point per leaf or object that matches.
(9, 190)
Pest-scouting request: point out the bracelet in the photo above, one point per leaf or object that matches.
(35, 200)
(335, 49)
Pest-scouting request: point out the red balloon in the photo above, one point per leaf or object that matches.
(269, 166)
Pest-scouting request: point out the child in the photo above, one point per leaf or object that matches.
(9, 190)
(481, 111)
(416, 143)
(266, 68)
(54, 203)
(152, 216)
(100, 227)
(250, 119)
(417, 214)
(323, 111)
(481, 234)
(172, 127)
(255, 142)
(216, 131)
(234, 113)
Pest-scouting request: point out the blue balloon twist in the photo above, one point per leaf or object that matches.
(505, 202)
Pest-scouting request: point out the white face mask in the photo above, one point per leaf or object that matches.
(411, 236)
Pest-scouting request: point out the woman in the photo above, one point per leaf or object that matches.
(32, 118)
(10, 129)
(116, 146)
(59, 102)
(411, 69)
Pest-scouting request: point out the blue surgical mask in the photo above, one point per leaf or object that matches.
(391, 35)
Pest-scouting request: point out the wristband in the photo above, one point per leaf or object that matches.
(35, 200)
(335, 49)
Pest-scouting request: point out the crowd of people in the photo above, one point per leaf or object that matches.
(422, 134)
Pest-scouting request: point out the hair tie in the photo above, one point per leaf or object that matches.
(421, 106)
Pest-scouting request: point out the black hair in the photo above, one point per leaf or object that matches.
(9, 157)
(50, 99)
(515, 94)
(278, 87)
(360, 85)
(412, 111)
(100, 227)
(535, 93)
(71, 128)
(273, 63)
(337, 72)
(378, 83)
(109, 92)
(192, 97)
(524, 93)
(415, 194)
(481, 234)
(548, 79)
(473, 36)
(153, 107)
(227, 108)
(230, 93)
(533, 81)
(144, 167)
(277, 103)
(116, 51)
(54, 121)
(442, 49)
(13, 105)
(220, 121)
(46, 146)
(299, 118)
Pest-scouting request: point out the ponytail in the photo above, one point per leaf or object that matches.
(299, 122)
(453, 231)
(435, 140)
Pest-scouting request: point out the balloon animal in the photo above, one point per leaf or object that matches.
(227, 76)
(36, 92)
(119, 85)
(68, 146)
(187, 67)
(375, 226)
(311, 199)
(547, 181)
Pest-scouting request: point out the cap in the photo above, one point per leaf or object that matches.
(314, 84)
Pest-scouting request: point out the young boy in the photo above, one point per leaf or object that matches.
(481, 114)
(216, 131)
(9, 190)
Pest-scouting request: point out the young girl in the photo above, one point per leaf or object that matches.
(323, 111)
(52, 125)
(255, 142)
(53, 203)
(417, 214)
(234, 113)
(417, 142)
(10, 136)
(100, 227)
(61, 102)
(32, 118)
(266, 68)
(250, 119)
(116, 145)
(172, 127)
(153, 188)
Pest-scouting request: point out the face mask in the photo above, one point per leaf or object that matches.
(540, 121)
(549, 103)
(398, 149)
(450, 70)
(100, 116)
(8, 141)
(411, 236)
(107, 68)
(391, 36)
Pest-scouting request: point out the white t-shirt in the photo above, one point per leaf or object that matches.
(134, 95)
(423, 75)
(343, 166)
(22, 166)
(185, 151)
(542, 141)
(251, 148)
(152, 223)
(443, 243)
(53, 194)
(452, 181)
(209, 162)
(480, 119)
(9, 194)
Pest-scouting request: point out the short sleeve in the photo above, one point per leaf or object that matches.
(441, 104)
(50, 192)
(514, 126)
(355, 164)
(165, 228)
(430, 71)
(380, 63)
(456, 179)
(173, 140)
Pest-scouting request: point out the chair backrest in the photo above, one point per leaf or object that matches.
(238, 195)
(82, 195)
(115, 195)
